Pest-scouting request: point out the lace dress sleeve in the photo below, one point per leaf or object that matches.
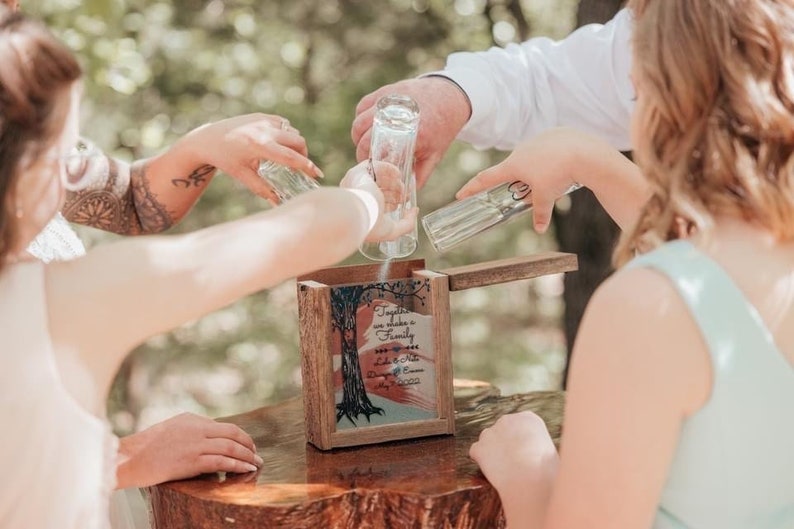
(57, 242)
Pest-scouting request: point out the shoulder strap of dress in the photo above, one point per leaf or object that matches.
(730, 325)
(713, 298)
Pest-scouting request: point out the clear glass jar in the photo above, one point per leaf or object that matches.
(394, 130)
(285, 181)
(454, 223)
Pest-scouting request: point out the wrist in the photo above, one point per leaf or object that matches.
(458, 103)
(477, 93)
(459, 95)
(125, 477)
(523, 505)
(371, 206)
(191, 149)
(584, 159)
(128, 461)
(597, 165)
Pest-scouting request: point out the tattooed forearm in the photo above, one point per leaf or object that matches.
(135, 199)
(118, 200)
(152, 216)
(197, 178)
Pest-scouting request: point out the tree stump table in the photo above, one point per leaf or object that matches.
(422, 483)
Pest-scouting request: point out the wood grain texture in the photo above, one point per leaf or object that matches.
(316, 335)
(512, 269)
(365, 273)
(422, 483)
(438, 307)
(389, 432)
(314, 316)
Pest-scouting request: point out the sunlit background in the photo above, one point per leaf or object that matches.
(155, 70)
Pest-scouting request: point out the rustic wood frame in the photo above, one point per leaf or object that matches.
(314, 314)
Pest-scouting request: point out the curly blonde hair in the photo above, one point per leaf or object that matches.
(716, 116)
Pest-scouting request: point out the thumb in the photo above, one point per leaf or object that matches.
(491, 177)
(407, 223)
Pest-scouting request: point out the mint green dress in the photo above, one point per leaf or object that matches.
(734, 464)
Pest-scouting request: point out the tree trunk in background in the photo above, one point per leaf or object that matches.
(597, 11)
(515, 9)
(585, 229)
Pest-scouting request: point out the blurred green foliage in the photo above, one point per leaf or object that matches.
(155, 70)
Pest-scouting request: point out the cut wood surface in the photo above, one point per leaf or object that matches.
(421, 483)
(512, 269)
(364, 273)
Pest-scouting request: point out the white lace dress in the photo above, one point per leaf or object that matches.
(59, 242)
(58, 459)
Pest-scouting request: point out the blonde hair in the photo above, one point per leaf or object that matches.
(716, 115)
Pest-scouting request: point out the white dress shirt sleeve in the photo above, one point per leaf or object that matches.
(520, 90)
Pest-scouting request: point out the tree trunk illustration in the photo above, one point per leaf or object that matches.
(344, 304)
(355, 400)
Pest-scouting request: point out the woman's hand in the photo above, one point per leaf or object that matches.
(183, 447)
(518, 457)
(548, 163)
(237, 145)
(554, 161)
(383, 182)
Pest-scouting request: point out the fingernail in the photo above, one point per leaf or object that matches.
(249, 467)
(313, 169)
(258, 460)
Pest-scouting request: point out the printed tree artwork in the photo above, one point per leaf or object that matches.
(382, 352)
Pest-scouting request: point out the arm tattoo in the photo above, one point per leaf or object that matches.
(195, 179)
(118, 201)
(152, 216)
